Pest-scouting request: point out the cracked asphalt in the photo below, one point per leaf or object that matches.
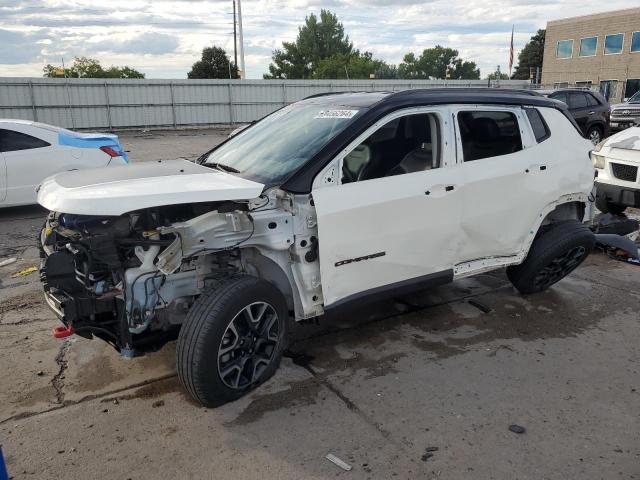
(425, 386)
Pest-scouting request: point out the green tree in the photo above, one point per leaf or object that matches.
(353, 66)
(438, 62)
(317, 40)
(530, 56)
(213, 64)
(85, 67)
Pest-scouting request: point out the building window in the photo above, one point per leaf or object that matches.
(632, 87)
(588, 47)
(584, 84)
(613, 43)
(564, 49)
(635, 42)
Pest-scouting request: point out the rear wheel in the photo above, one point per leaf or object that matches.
(595, 134)
(232, 340)
(556, 252)
(605, 206)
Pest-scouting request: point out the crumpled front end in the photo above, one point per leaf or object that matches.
(130, 279)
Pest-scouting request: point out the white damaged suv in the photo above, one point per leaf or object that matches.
(328, 202)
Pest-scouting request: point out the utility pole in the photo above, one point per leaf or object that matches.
(235, 42)
(242, 73)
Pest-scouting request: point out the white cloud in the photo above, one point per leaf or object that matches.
(164, 37)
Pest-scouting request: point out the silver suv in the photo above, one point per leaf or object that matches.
(627, 114)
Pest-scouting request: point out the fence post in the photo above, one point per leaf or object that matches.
(231, 119)
(68, 89)
(33, 102)
(173, 105)
(284, 94)
(106, 97)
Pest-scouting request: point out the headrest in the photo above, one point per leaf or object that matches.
(484, 129)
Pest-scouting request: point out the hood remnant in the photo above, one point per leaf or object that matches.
(628, 139)
(118, 190)
(616, 224)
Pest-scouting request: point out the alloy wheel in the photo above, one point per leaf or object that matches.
(594, 136)
(248, 345)
(560, 267)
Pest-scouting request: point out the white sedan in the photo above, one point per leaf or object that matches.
(31, 152)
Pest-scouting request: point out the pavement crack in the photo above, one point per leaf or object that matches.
(58, 379)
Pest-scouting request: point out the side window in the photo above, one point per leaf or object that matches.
(487, 134)
(538, 125)
(404, 145)
(591, 100)
(560, 96)
(11, 141)
(577, 100)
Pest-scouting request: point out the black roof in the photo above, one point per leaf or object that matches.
(379, 104)
(431, 96)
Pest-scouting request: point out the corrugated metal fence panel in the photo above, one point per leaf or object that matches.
(85, 103)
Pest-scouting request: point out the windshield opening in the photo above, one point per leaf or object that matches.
(282, 142)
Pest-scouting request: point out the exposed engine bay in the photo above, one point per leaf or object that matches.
(130, 279)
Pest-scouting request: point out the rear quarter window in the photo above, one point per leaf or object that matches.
(538, 125)
(11, 141)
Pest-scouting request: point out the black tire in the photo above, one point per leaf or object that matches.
(208, 324)
(595, 134)
(556, 251)
(605, 206)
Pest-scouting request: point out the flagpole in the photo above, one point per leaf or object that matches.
(511, 51)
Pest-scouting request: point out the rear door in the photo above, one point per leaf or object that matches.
(392, 222)
(499, 197)
(580, 109)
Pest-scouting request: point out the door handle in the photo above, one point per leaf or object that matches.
(439, 190)
(591, 113)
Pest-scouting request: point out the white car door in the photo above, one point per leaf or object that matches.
(29, 160)
(392, 222)
(3, 178)
(501, 195)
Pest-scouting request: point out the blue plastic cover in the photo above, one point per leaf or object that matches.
(92, 140)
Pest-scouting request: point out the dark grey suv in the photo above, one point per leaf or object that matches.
(590, 110)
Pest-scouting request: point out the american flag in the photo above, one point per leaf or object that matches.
(511, 52)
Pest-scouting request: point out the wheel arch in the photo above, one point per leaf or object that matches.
(568, 207)
(261, 266)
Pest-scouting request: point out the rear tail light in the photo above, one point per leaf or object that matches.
(112, 152)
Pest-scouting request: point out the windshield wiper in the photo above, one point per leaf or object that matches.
(223, 167)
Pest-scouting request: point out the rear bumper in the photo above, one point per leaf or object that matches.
(621, 195)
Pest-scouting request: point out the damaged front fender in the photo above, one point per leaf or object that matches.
(214, 232)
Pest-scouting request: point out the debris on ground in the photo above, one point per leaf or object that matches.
(618, 247)
(341, 463)
(25, 272)
(157, 403)
(8, 261)
(517, 428)
(40, 373)
(616, 224)
(480, 306)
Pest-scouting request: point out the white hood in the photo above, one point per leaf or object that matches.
(117, 190)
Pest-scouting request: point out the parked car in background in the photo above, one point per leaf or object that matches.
(327, 203)
(626, 114)
(31, 152)
(590, 110)
(617, 161)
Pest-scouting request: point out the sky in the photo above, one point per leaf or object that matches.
(162, 38)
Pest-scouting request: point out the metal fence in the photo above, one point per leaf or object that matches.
(83, 103)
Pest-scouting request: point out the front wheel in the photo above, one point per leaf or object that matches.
(232, 340)
(555, 252)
